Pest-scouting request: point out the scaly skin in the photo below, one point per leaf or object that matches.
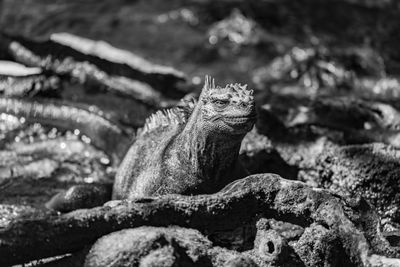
(189, 150)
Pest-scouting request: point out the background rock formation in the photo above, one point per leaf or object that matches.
(327, 94)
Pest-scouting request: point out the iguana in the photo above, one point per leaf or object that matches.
(190, 149)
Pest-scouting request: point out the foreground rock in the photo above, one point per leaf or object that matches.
(151, 246)
(354, 223)
(370, 171)
(337, 154)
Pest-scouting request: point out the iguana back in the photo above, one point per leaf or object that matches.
(145, 157)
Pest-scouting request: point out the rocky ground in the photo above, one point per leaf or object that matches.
(326, 81)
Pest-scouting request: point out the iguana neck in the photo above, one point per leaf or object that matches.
(212, 155)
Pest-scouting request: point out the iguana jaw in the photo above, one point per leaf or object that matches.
(240, 119)
(240, 124)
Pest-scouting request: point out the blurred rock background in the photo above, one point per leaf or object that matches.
(194, 35)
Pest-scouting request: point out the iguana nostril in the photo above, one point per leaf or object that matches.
(271, 247)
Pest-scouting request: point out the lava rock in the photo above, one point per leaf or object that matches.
(150, 246)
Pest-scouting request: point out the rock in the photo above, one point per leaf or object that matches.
(320, 247)
(270, 247)
(19, 80)
(369, 170)
(98, 64)
(150, 246)
(80, 197)
(9, 213)
(105, 134)
(240, 261)
(236, 29)
(355, 223)
(259, 156)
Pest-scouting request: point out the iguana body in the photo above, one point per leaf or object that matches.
(189, 150)
(185, 150)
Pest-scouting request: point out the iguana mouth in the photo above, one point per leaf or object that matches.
(240, 118)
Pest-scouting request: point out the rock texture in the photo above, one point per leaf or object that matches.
(355, 224)
(97, 64)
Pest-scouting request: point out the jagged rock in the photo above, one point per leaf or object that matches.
(34, 169)
(98, 64)
(105, 134)
(76, 259)
(237, 30)
(368, 170)
(258, 155)
(314, 71)
(57, 149)
(348, 113)
(349, 21)
(319, 246)
(80, 196)
(9, 213)
(222, 257)
(159, 246)
(150, 246)
(19, 80)
(288, 231)
(307, 68)
(271, 247)
(347, 120)
(267, 195)
(124, 63)
(240, 261)
(338, 159)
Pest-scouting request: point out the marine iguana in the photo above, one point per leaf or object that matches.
(191, 149)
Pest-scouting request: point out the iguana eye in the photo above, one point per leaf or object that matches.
(242, 104)
(220, 102)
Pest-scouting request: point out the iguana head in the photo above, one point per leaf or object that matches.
(229, 109)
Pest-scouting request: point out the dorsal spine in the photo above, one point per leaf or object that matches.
(163, 118)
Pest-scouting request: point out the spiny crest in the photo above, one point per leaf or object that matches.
(209, 83)
(163, 118)
(235, 90)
